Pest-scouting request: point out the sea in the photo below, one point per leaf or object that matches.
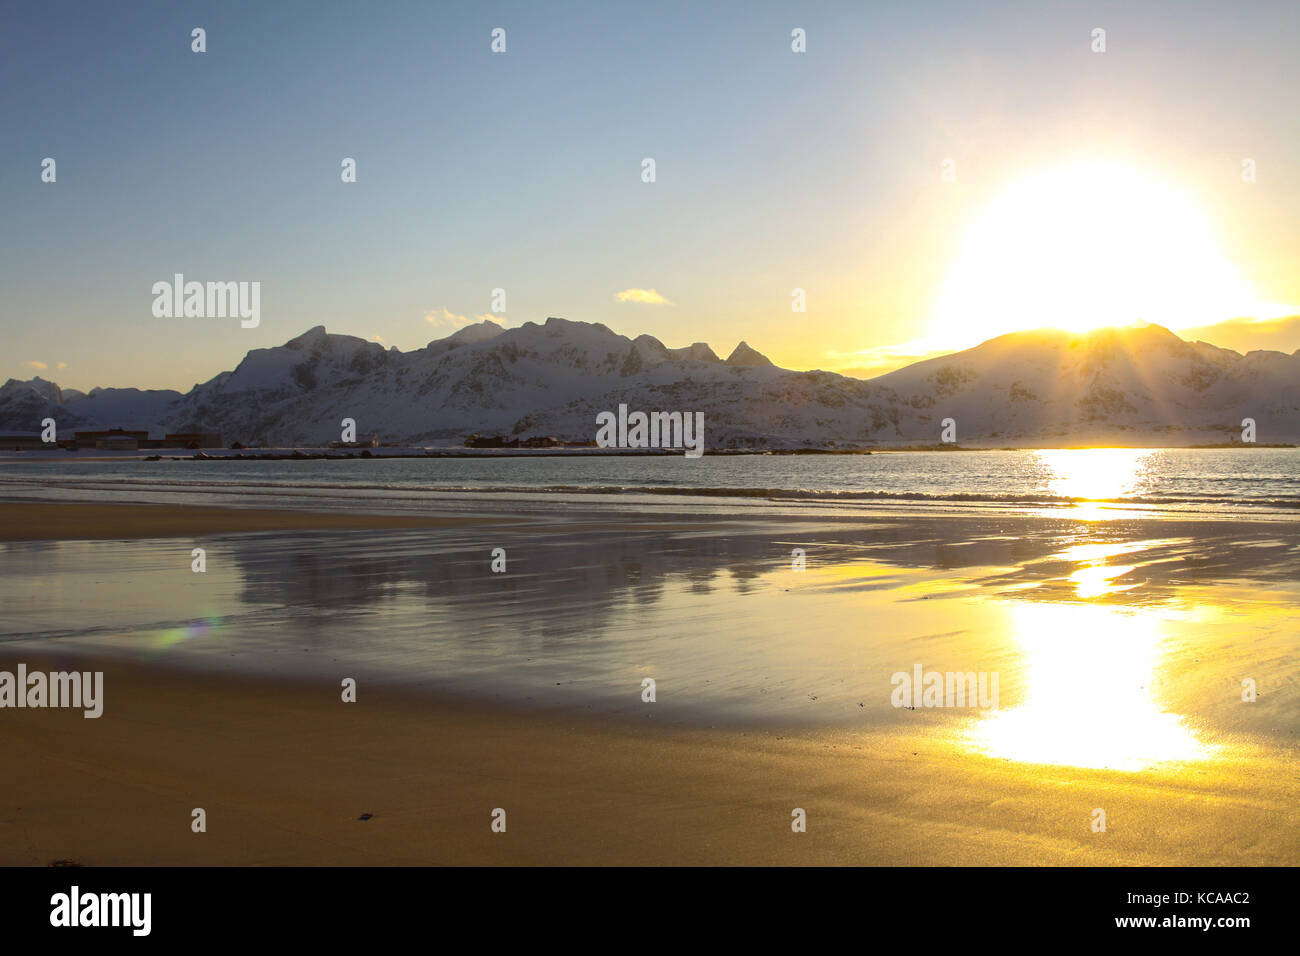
(1204, 480)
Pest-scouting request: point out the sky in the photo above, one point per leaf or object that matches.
(929, 174)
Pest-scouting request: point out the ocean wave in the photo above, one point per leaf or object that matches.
(1002, 498)
(775, 493)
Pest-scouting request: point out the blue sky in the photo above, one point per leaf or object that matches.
(522, 170)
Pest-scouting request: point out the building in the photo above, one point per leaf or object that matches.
(192, 440)
(372, 443)
(23, 441)
(118, 443)
(114, 439)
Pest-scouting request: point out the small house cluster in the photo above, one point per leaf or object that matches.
(112, 439)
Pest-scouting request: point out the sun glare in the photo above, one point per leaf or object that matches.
(1094, 474)
(1085, 246)
(1091, 674)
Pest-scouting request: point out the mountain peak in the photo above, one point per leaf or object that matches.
(699, 351)
(478, 332)
(38, 386)
(747, 357)
(312, 336)
(555, 327)
(650, 344)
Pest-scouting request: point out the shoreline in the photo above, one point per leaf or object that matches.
(81, 520)
(88, 521)
(317, 453)
(32, 519)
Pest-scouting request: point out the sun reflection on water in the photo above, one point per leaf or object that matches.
(1095, 474)
(1090, 672)
(1091, 668)
(1094, 577)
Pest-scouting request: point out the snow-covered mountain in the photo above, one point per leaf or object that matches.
(1141, 385)
(23, 405)
(1135, 385)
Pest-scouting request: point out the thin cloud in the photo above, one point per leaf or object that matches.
(61, 365)
(444, 316)
(643, 296)
(39, 366)
(448, 322)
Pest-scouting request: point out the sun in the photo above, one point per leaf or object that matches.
(1087, 245)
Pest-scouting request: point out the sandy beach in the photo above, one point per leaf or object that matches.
(538, 712)
(285, 771)
(43, 521)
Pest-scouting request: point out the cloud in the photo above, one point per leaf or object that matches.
(39, 366)
(61, 365)
(444, 316)
(448, 322)
(644, 296)
(378, 338)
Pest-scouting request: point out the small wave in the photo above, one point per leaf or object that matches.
(823, 495)
(408, 489)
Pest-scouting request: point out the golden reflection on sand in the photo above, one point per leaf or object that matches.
(1090, 669)
(1090, 676)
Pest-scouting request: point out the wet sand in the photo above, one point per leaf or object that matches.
(285, 769)
(45, 521)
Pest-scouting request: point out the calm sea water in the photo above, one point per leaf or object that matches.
(1265, 479)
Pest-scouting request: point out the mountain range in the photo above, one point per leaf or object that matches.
(1139, 385)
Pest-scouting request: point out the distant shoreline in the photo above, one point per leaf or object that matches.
(321, 454)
